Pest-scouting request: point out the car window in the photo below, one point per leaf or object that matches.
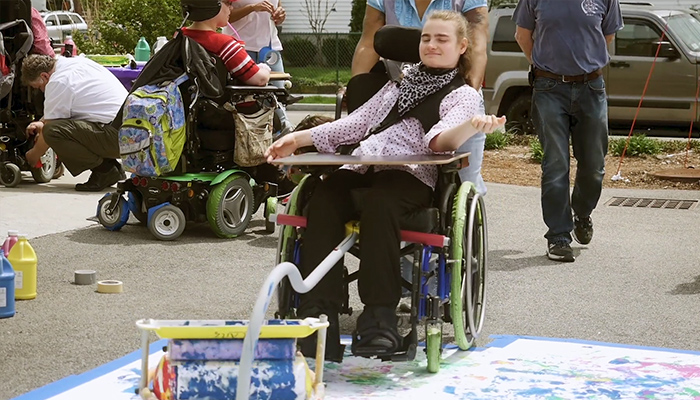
(64, 19)
(51, 21)
(76, 19)
(687, 30)
(637, 38)
(504, 35)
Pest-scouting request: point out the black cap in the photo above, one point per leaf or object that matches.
(200, 10)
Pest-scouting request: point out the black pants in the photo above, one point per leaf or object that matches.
(391, 194)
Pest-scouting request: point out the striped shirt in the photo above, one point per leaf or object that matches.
(231, 51)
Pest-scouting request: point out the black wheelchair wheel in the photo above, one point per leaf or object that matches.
(10, 175)
(468, 247)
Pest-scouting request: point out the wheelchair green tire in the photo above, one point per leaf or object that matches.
(466, 324)
(433, 342)
(230, 206)
(270, 209)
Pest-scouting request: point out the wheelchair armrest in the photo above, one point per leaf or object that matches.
(454, 166)
(340, 102)
(257, 89)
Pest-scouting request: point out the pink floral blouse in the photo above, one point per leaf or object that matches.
(403, 138)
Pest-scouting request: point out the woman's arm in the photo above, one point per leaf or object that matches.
(365, 57)
(450, 139)
(240, 12)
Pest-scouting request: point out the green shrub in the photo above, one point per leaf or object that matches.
(536, 152)
(357, 15)
(497, 140)
(299, 52)
(338, 51)
(639, 145)
(122, 22)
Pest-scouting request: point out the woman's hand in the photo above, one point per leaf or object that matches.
(487, 123)
(264, 6)
(279, 15)
(282, 148)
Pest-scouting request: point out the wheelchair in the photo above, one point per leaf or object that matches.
(453, 229)
(207, 185)
(19, 105)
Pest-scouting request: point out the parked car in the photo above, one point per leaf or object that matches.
(62, 23)
(670, 95)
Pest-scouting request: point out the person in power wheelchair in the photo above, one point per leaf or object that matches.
(207, 182)
(385, 194)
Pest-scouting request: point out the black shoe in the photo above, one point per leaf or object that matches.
(583, 229)
(560, 250)
(307, 345)
(99, 181)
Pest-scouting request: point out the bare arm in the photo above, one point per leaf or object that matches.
(524, 38)
(240, 12)
(288, 144)
(365, 57)
(450, 139)
(609, 38)
(479, 25)
(261, 78)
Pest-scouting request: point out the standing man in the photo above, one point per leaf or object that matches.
(413, 13)
(569, 102)
(81, 98)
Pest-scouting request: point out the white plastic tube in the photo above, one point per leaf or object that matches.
(285, 269)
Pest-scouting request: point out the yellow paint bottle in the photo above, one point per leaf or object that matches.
(24, 262)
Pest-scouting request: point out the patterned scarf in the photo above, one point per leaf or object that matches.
(419, 82)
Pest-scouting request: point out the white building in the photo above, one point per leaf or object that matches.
(298, 21)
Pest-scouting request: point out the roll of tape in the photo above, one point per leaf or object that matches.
(110, 287)
(85, 277)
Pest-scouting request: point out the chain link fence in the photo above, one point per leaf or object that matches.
(318, 63)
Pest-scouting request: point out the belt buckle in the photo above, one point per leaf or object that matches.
(563, 79)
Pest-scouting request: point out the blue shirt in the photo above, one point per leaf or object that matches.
(569, 35)
(407, 14)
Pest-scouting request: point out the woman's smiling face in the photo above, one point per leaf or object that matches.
(439, 46)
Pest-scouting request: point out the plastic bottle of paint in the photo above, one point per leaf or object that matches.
(24, 261)
(7, 288)
(160, 42)
(9, 242)
(70, 49)
(142, 52)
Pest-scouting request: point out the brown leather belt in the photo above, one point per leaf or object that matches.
(569, 78)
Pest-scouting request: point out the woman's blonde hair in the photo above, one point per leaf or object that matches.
(462, 30)
(33, 65)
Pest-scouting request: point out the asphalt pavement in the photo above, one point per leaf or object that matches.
(637, 283)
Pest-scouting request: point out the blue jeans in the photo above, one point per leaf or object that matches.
(475, 145)
(576, 110)
(277, 67)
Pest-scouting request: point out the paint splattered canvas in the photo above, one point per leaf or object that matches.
(509, 368)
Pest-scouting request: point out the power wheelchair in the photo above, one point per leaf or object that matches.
(19, 105)
(207, 185)
(454, 229)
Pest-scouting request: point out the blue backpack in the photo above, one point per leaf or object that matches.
(153, 131)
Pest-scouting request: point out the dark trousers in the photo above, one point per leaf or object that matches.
(391, 194)
(576, 110)
(81, 145)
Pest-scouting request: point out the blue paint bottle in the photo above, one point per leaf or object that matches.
(7, 288)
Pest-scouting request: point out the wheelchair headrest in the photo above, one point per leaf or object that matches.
(11, 10)
(398, 43)
(200, 10)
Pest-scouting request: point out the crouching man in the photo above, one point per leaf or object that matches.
(81, 98)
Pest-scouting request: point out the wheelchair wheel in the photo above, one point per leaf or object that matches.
(286, 249)
(116, 220)
(230, 206)
(468, 245)
(10, 175)
(270, 209)
(48, 167)
(166, 222)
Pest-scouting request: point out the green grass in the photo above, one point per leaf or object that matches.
(319, 75)
(311, 99)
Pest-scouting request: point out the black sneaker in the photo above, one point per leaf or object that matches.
(583, 229)
(99, 181)
(560, 251)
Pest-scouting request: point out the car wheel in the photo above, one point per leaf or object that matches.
(519, 116)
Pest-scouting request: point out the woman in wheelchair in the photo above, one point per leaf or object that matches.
(210, 15)
(390, 191)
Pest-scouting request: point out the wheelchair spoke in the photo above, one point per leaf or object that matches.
(234, 207)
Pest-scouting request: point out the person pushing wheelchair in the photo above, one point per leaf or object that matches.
(392, 191)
